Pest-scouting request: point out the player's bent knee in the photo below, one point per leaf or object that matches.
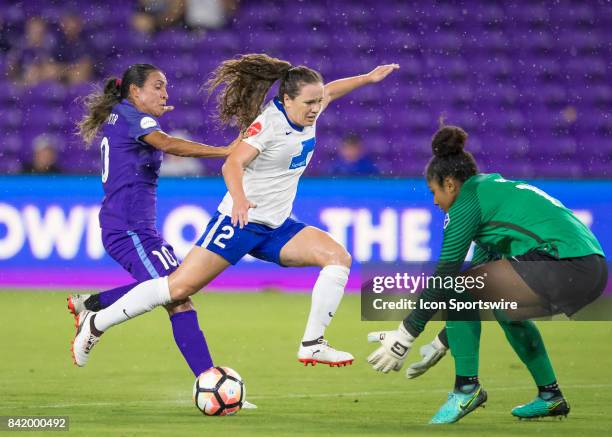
(180, 306)
(347, 259)
(339, 257)
(179, 293)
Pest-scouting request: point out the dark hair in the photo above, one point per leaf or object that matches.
(450, 160)
(247, 80)
(352, 138)
(100, 103)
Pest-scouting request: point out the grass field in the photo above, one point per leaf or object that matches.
(137, 384)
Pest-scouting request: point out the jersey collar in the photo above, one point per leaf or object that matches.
(281, 108)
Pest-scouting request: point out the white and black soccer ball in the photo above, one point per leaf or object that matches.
(219, 391)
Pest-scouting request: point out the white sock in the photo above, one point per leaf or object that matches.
(139, 300)
(326, 296)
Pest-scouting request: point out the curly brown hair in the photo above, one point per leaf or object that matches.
(247, 79)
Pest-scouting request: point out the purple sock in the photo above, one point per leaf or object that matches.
(109, 297)
(190, 341)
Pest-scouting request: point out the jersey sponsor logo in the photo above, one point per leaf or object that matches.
(446, 220)
(147, 122)
(302, 159)
(253, 129)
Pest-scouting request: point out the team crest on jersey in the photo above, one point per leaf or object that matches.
(147, 122)
(253, 129)
(446, 220)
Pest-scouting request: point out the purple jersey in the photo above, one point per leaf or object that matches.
(130, 168)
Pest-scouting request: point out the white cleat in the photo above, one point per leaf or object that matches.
(246, 405)
(76, 305)
(319, 351)
(84, 340)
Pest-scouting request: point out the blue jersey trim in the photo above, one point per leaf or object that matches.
(281, 108)
(143, 256)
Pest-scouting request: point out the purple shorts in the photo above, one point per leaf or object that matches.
(143, 253)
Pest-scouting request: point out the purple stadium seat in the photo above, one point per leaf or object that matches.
(9, 164)
(548, 69)
(540, 42)
(263, 41)
(598, 169)
(575, 14)
(447, 43)
(10, 118)
(510, 73)
(187, 93)
(10, 95)
(587, 67)
(533, 14)
(468, 120)
(492, 41)
(419, 121)
(11, 143)
(497, 67)
(178, 41)
(489, 15)
(223, 40)
(580, 41)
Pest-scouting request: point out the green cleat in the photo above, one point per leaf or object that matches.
(539, 407)
(458, 405)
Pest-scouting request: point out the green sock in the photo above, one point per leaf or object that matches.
(464, 342)
(525, 339)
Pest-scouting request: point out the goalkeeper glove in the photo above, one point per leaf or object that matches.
(431, 354)
(394, 348)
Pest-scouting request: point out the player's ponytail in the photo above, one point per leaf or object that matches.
(247, 79)
(100, 103)
(450, 160)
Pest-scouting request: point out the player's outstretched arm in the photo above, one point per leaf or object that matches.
(340, 87)
(233, 171)
(180, 147)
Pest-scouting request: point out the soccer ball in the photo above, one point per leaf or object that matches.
(219, 392)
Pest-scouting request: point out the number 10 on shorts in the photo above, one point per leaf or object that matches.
(165, 257)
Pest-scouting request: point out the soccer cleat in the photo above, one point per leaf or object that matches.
(76, 305)
(557, 406)
(246, 405)
(319, 351)
(84, 340)
(459, 404)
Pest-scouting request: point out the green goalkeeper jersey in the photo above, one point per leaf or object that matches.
(505, 219)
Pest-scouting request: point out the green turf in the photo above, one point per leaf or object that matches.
(137, 384)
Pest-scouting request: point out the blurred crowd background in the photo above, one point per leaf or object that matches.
(528, 80)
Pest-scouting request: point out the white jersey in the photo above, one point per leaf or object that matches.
(270, 181)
